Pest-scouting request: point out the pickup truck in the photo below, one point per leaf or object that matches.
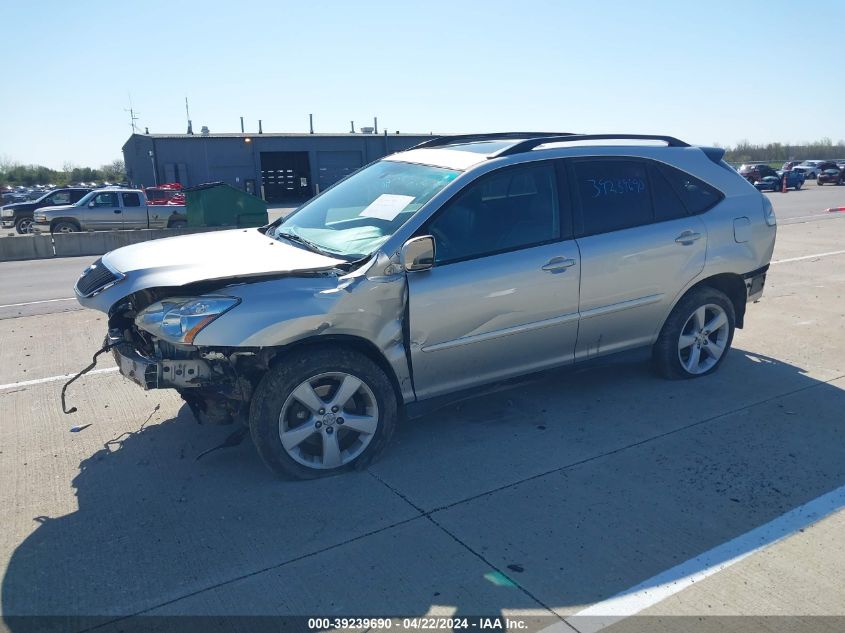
(19, 214)
(109, 209)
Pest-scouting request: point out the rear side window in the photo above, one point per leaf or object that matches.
(696, 194)
(131, 199)
(614, 194)
(667, 203)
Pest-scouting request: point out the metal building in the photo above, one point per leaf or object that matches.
(277, 167)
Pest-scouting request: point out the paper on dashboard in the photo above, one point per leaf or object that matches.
(387, 206)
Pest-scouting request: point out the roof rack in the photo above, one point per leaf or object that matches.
(469, 138)
(529, 144)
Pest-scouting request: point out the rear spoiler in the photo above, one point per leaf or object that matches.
(716, 154)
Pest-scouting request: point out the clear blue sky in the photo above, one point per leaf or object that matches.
(707, 72)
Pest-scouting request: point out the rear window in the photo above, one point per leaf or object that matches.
(131, 200)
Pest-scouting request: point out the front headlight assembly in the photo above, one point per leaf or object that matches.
(180, 319)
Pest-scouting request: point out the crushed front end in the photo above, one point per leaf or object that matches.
(217, 383)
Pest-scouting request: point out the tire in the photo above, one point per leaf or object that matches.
(64, 227)
(178, 224)
(23, 226)
(798, 186)
(681, 338)
(321, 372)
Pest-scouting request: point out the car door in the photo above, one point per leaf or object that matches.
(104, 212)
(640, 245)
(502, 297)
(134, 211)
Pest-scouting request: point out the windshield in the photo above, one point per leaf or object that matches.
(84, 200)
(358, 215)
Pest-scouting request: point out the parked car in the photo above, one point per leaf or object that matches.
(461, 262)
(754, 172)
(810, 168)
(794, 180)
(788, 165)
(19, 215)
(106, 209)
(830, 172)
(163, 194)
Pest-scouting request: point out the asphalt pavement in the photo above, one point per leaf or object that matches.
(567, 502)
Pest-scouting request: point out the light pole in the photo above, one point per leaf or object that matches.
(153, 162)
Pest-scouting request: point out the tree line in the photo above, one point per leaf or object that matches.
(745, 152)
(14, 174)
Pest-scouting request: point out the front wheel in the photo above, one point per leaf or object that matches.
(65, 227)
(23, 226)
(697, 335)
(798, 185)
(322, 411)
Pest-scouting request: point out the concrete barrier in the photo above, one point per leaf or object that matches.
(87, 243)
(21, 247)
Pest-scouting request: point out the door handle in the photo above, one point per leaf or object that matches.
(117, 211)
(558, 264)
(688, 237)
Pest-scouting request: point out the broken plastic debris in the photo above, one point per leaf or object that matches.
(77, 429)
(499, 579)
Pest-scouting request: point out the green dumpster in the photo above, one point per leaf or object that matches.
(219, 204)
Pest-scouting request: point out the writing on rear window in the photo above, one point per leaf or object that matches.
(618, 186)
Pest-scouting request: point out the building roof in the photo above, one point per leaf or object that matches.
(282, 134)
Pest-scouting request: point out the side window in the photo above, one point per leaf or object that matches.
(62, 197)
(614, 194)
(513, 208)
(106, 199)
(667, 204)
(131, 199)
(696, 194)
(76, 196)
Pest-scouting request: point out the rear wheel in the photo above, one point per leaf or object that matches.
(322, 411)
(697, 335)
(65, 227)
(797, 185)
(178, 224)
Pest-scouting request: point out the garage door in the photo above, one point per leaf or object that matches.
(333, 166)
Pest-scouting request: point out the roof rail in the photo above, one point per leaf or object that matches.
(529, 144)
(468, 138)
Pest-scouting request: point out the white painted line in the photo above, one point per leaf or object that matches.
(656, 589)
(29, 383)
(798, 259)
(816, 216)
(31, 303)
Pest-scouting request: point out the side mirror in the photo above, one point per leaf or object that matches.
(418, 253)
(91, 204)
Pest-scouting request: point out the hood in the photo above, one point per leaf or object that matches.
(60, 207)
(20, 206)
(177, 261)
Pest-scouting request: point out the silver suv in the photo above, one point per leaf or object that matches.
(464, 261)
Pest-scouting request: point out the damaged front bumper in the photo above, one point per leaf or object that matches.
(151, 373)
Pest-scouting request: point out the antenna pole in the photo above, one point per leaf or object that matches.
(133, 116)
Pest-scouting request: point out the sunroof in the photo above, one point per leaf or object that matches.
(482, 147)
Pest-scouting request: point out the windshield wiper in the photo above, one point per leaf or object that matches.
(293, 237)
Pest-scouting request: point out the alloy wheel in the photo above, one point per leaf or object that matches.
(328, 420)
(703, 339)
